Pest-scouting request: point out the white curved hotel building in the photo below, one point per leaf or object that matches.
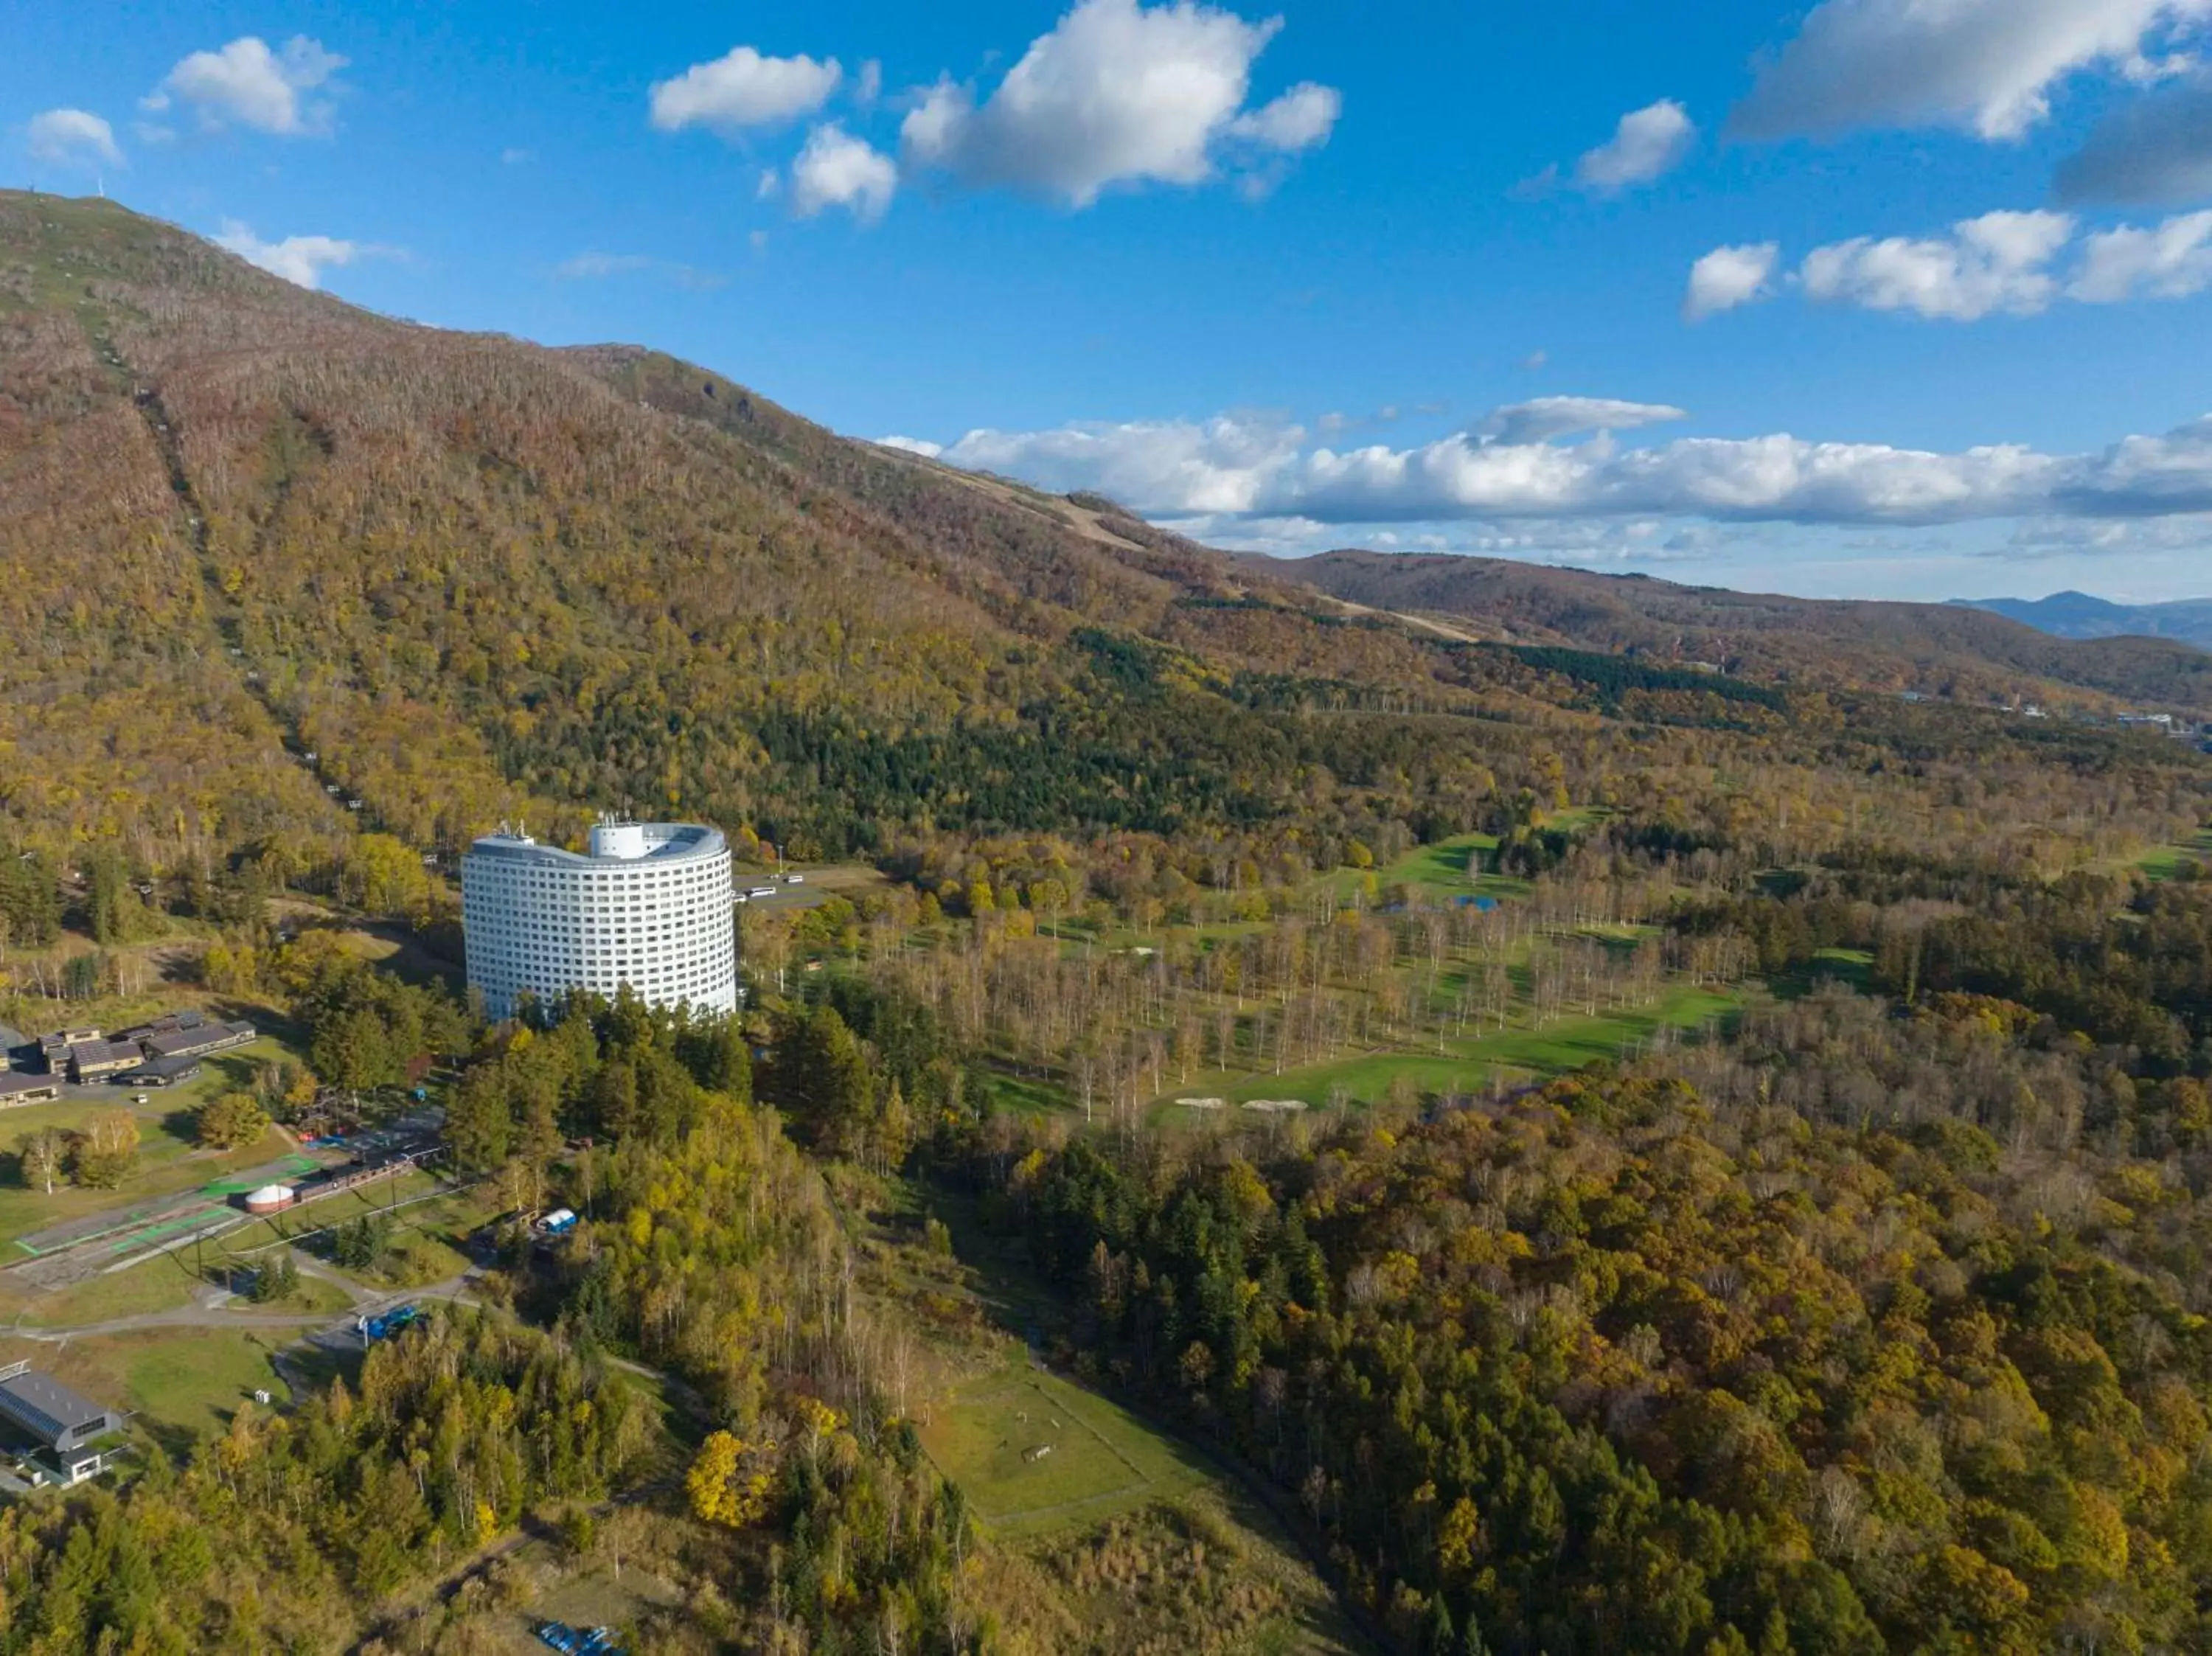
(650, 909)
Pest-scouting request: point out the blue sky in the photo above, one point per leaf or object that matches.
(1870, 297)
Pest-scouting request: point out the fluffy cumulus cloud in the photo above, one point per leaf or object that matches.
(743, 88)
(72, 137)
(1543, 418)
(1999, 262)
(1729, 277)
(1988, 66)
(836, 169)
(301, 259)
(1118, 92)
(1648, 143)
(2010, 264)
(1230, 465)
(2171, 260)
(2153, 151)
(247, 83)
(1232, 471)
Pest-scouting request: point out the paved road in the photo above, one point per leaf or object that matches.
(217, 1314)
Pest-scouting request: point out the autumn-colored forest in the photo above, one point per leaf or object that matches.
(1868, 1316)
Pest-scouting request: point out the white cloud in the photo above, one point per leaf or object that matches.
(1729, 277)
(513, 157)
(1648, 143)
(592, 267)
(2053, 538)
(1234, 470)
(2145, 477)
(1986, 65)
(599, 267)
(301, 259)
(743, 88)
(1999, 262)
(870, 85)
(770, 186)
(928, 450)
(72, 137)
(248, 84)
(2013, 263)
(1983, 65)
(2156, 149)
(1542, 418)
(1228, 464)
(1302, 118)
(1117, 93)
(2171, 260)
(836, 169)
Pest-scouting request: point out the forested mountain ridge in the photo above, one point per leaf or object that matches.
(2077, 615)
(269, 555)
(1934, 649)
(409, 534)
(479, 578)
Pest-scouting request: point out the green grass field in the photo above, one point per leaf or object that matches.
(1103, 1460)
(180, 1384)
(1515, 1055)
(194, 1382)
(164, 1284)
(2166, 862)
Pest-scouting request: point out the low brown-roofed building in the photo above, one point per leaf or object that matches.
(19, 1087)
(55, 1048)
(95, 1060)
(196, 1041)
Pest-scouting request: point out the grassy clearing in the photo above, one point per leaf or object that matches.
(1026, 1454)
(2166, 862)
(182, 1385)
(1513, 1055)
(1123, 1538)
(1188, 1575)
(167, 1284)
(428, 1236)
(194, 1382)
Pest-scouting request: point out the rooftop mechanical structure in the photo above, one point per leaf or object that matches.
(648, 908)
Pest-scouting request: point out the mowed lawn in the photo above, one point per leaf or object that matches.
(177, 1383)
(1103, 1460)
(1513, 1055)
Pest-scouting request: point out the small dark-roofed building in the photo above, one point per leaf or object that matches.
(94, 1060)
(21, 1086)
(196, 1041)
(161, 1072)
(58, 1417)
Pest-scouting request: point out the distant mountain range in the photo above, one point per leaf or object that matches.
(1953, 651)
(2078, 615)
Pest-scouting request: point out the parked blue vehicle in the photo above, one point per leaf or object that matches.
(386, 1325)
(574, 1642)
